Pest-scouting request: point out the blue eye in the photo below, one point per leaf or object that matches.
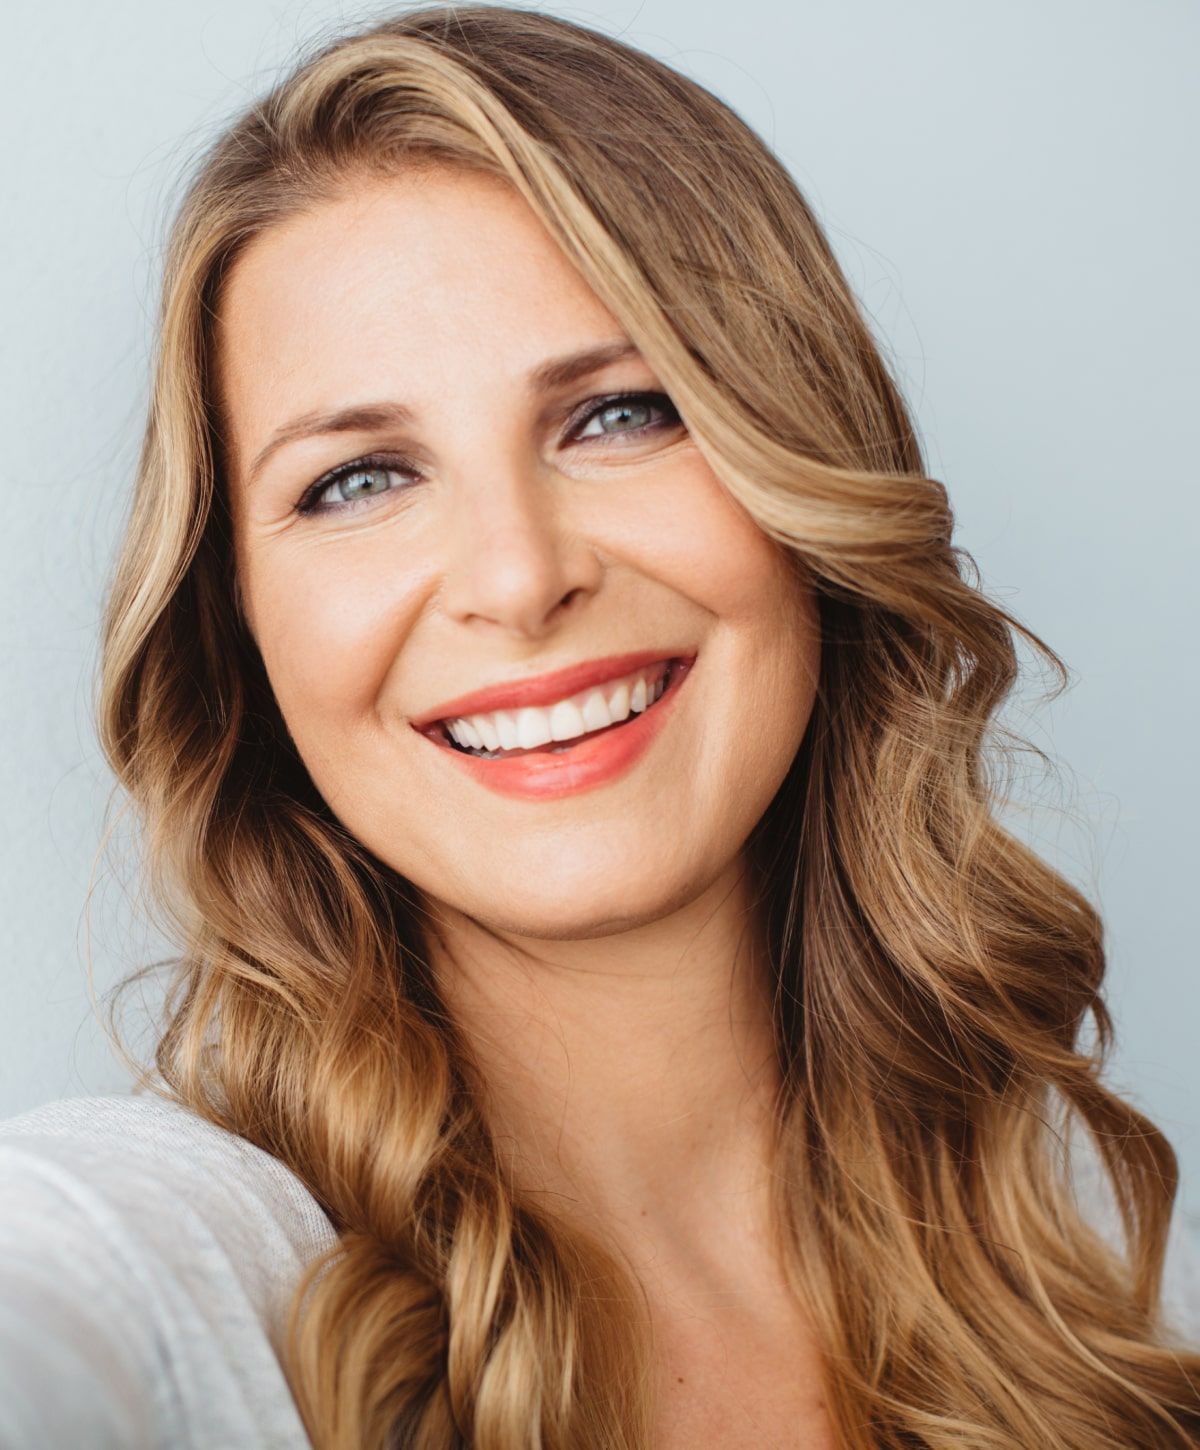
(360, 479)
(363, 481)
(636, 409)
(353, 485)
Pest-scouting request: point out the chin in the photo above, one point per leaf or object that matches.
(575, 906)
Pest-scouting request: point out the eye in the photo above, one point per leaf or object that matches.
(625, 413)
(351, 484)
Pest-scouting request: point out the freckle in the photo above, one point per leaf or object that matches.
(680, 1379)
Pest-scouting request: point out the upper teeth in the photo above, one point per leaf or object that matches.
(534, 725)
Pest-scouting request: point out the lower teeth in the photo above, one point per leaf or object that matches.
(498, 754)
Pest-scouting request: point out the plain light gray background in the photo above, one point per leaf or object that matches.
(1010, 188)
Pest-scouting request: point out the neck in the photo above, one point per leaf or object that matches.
(630, 1077)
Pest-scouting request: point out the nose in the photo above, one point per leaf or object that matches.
(515, 560)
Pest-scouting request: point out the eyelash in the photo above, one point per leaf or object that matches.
(307, 503)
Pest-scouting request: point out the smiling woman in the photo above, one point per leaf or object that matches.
(531, 521)
(609, 1011)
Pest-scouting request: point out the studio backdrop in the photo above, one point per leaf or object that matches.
(1011, 191)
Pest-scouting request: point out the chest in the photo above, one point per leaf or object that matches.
(733, 1384)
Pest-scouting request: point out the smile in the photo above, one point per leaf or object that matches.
(575, 743)
(501, 733)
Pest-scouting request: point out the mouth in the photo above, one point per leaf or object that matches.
(660, 681)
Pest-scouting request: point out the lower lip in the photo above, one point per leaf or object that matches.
(605, 757)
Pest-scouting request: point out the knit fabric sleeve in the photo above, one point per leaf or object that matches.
(147, 1259)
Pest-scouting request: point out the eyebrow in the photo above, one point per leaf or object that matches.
(555, 372)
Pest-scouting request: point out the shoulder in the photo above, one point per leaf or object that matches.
(147, 1259)
(153, 1167)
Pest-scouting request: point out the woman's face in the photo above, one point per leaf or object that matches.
(499, 520)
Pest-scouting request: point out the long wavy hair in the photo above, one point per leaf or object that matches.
(937, 986)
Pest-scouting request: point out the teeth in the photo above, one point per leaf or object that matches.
(532, 726)
(506, 728)
(486, 730)
(595, 711)
(566, 721)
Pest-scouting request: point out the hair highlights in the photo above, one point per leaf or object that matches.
(933, 976)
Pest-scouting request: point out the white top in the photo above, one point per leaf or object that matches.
(147, 1259)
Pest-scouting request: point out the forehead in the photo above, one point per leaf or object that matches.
(400, 286)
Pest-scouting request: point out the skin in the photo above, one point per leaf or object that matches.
(600, 950)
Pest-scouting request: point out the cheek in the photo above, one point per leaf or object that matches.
(709, 549)
(764, 637)
(327, 631)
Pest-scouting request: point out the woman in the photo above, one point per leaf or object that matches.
(610, 1013)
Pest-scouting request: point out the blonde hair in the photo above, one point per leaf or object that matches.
(933, 976)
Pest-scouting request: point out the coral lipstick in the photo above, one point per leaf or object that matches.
(551, 772)
(541, 689)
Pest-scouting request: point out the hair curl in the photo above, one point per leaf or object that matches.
(933, 976)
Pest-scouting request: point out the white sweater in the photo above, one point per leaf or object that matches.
(146, 1262)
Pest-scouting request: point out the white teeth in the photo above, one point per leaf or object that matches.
(566, 721)
(506, 728)
(532, 726)
(595, 711)
(484, 728)
(618, 702)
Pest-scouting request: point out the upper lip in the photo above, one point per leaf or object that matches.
(544, 689)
